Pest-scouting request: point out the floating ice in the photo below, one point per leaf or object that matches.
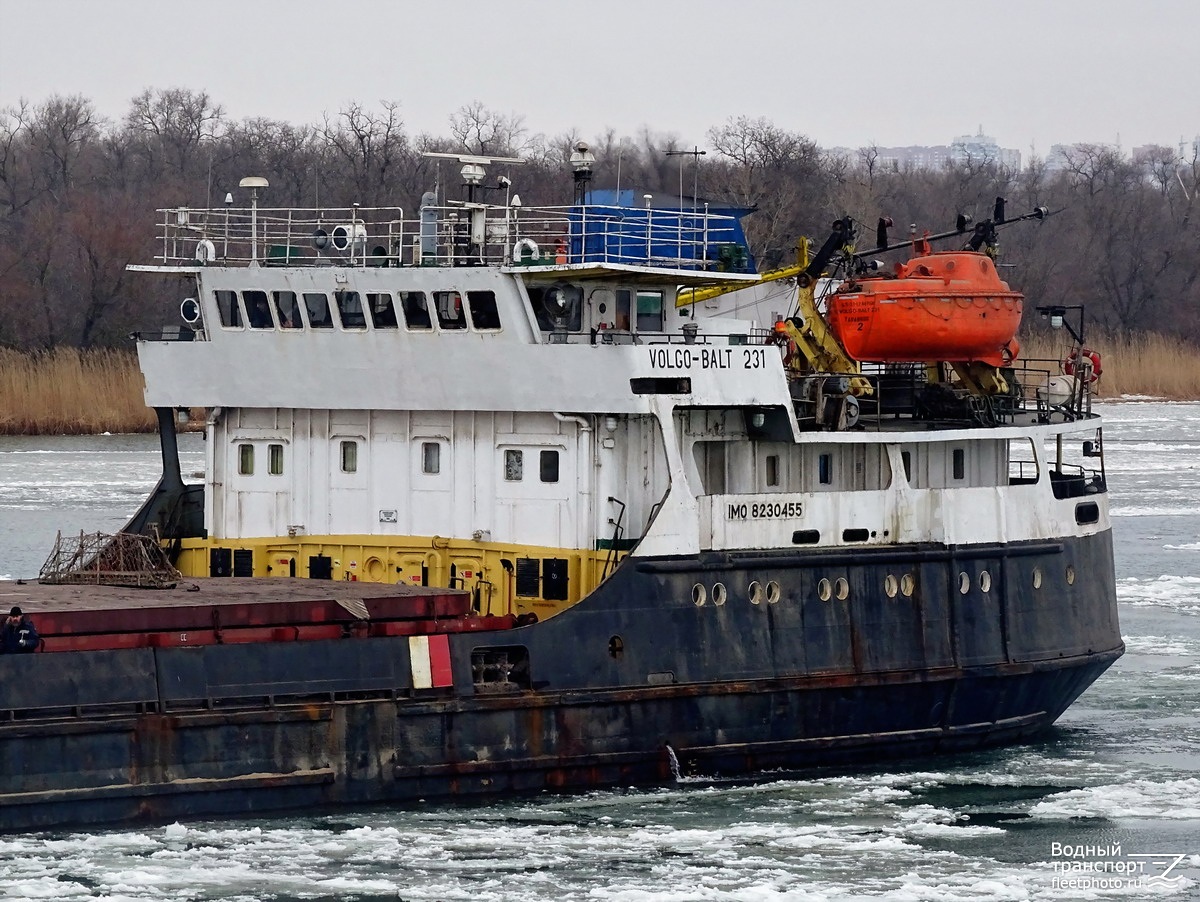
(1179, 593)
(1169, 800)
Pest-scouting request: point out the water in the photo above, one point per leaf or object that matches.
(93, 483)
(1122, 767)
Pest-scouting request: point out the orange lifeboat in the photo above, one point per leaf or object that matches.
(949, 306)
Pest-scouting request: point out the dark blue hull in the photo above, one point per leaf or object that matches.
(592, 697)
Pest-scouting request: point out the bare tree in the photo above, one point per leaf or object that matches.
(172, 124)
(60, 130)
(479, 130)
(368, 144)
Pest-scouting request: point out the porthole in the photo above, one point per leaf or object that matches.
(755, 591)
(1070, 575)
(824, 590)
(841, 588)
(908, 585)
(891, 585)
(699, 595)
(718, 594)
(773, 592)
(964, 583)
(985, 581)
(1037, 577)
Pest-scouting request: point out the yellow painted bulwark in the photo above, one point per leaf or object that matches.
(477, 567)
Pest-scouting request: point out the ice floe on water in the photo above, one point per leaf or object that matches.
(919, 834)
(1150, 511)
(1170, 799)
(1179, 593)
(1163, 646)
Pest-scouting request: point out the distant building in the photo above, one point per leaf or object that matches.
(983, 148)
(1057, 158)
(979, 148)
(915, 156)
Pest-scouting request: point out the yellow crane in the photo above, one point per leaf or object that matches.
(807, 330)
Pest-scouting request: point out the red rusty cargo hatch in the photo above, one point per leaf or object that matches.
(236, 610)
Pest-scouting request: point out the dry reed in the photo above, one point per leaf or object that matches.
(1141, 363)
(67, 391)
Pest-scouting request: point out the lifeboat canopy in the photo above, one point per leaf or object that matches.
(950, 306)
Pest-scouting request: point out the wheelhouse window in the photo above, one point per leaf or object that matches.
(317, 305)
(959, 463)
(449, 308)
(258, 312)
(350, 309)
(485, 316)
(431, 458)
(349, 457)
(383, 314)
(415, 308)
(573, 321)
(649, 311)
(230, 311)
(514, 466)
(548, 466)
(246, 460)
(287, 308)
(624, 296)
(275, 460)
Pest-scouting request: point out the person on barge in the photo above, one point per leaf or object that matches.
(18, 634)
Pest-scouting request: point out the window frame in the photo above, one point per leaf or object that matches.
(825, 468)
(269, 326)
(326, 325)
(236, 314)
(380, 319)
(348, 455)
(514, 465)
(423, 296)
(341, 298)
(246, 456)
(549, 454)
(426, 447)
(487, 298)
(445, 324)
(297, 317)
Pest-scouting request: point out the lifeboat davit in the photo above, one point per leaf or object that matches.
(949, 306)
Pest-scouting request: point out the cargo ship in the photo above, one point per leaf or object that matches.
(501, 498)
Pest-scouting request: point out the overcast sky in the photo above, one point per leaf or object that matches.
(1030, 72)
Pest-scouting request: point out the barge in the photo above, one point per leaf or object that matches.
(499, 498)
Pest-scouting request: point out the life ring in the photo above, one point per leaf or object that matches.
(206, 251)
(1073, 362)
(526, 249)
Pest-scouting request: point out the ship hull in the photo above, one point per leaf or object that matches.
(162, 733)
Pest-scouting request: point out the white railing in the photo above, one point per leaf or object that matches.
(458, 235)
(237, 235)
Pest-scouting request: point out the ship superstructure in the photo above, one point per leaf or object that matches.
(673, 526)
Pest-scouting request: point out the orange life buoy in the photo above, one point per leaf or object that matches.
(1073, 362)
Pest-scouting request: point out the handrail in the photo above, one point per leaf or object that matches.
(463, 234)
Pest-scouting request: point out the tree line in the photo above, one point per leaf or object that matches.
(77, 194)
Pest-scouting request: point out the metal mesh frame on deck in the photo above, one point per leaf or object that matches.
(99, 559)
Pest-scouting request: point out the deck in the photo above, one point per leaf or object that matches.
(222, 611)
